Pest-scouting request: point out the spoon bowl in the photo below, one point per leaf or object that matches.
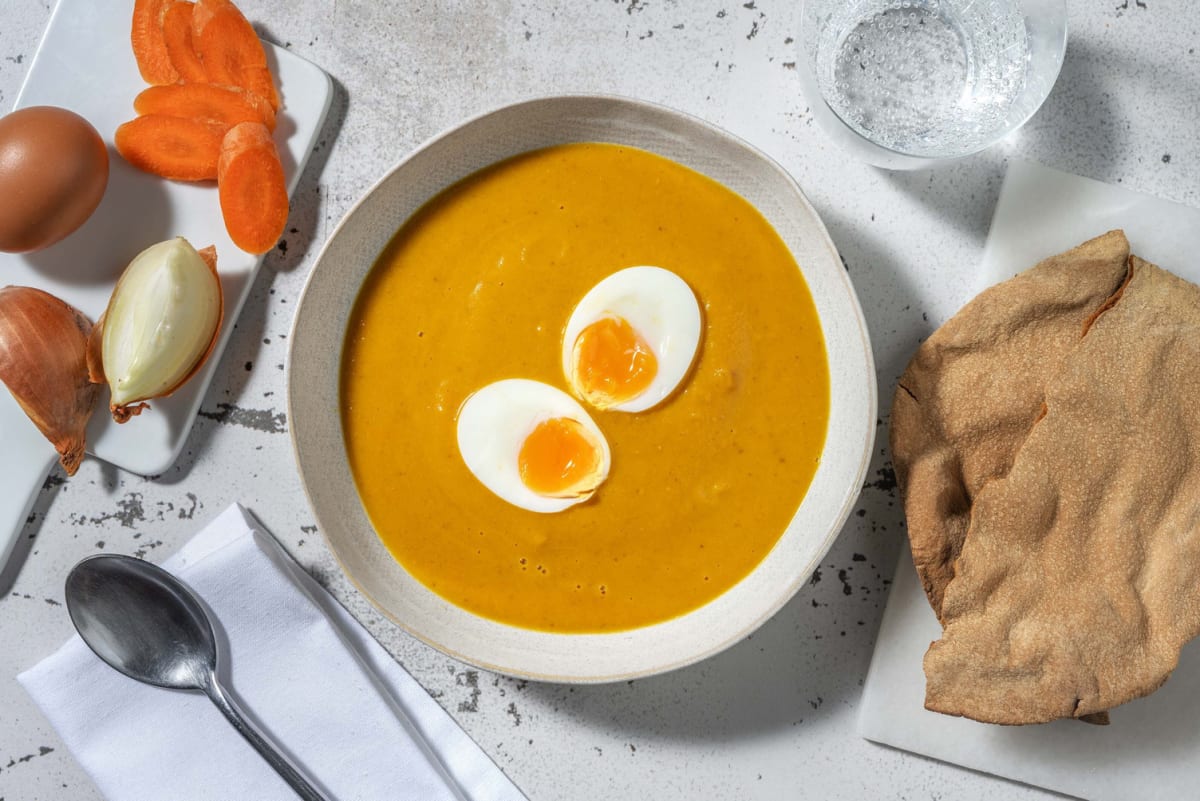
(142, 621)
(147, 624)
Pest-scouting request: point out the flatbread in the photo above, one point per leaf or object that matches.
(974, 389)
(1079, 580)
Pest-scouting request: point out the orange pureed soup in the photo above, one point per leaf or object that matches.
(477, 287)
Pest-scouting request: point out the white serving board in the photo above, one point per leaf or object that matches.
(1148, 751)
(85, 63)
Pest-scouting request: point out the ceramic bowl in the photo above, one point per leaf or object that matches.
(313, 392)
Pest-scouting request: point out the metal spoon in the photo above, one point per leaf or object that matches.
(147, 624)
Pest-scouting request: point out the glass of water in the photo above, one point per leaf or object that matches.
(905, 84)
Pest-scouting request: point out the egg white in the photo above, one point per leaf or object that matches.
(493, 424)
(661, 308)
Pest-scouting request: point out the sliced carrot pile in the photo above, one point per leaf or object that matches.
(205, 101)
(209, 113)
(149, 47)
(251, 188)
(230, 50)
(177, 148)
(177, 36)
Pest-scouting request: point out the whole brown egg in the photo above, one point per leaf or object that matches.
(53, 171)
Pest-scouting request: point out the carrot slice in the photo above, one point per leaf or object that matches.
(259, 81)
(172, 147)
(205, 101)
(149, 47)
(177, 35)
(204, 11)
(230, 49)
(251, 188)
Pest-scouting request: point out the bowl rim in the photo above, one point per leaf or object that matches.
(798, 578)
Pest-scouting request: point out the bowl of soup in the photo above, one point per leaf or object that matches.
(580, 390)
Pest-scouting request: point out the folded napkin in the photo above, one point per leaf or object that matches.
(311, 676)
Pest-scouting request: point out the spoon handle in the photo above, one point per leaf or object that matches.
(282, 765)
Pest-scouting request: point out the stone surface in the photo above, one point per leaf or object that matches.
(773, 717)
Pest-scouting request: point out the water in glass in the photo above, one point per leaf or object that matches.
(926, 77)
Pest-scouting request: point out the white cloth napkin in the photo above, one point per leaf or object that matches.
(310, 674)
(1148, 750)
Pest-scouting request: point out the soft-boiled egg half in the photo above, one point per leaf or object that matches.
(532, 445)
(631, 340)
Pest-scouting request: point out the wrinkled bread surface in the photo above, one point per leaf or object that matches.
(974, 389)
(1078, 581)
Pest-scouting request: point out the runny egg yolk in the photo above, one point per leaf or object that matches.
(613, 363)
(560, 459)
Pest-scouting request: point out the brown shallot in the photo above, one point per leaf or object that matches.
(43, 362)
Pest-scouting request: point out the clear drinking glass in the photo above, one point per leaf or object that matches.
(904, 84)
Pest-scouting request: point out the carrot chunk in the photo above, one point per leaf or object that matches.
(225, 105)
(149, 46)
(251, 188)
(177, 148)
(177, 35)
(230, 50)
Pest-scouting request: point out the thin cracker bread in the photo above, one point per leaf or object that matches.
(1079, 580)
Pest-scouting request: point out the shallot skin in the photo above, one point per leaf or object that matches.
(43, 362)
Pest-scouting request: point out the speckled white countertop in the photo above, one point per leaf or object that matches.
(773, 717)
